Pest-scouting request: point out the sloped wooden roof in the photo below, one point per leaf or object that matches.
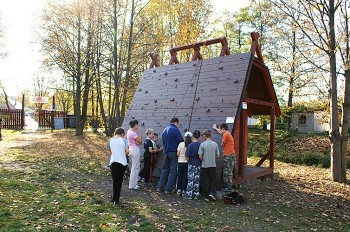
(199, 93)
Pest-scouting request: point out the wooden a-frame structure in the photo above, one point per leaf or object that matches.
(228, 88)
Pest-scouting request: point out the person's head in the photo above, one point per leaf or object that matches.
(134, 124)
(207, 134)
(119, 131)
(188, 138)
(155, 137)
(175, 121)
(149, 133)
(196, 134)
(224, 127)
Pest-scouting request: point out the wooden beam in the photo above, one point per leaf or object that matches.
(196, 46)
(255, 48)
(262, 160)
(272, 137)
(154, 62)
(196, 55)
(252, 175)
(259, 102)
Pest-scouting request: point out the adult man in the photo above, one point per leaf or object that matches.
(229, 158)
(171, 138)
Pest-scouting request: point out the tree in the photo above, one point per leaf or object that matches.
(317, 23)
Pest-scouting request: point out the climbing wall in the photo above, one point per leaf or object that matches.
(199, 93)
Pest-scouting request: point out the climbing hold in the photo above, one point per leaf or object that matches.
(221, 110)
(197, 98)
(199, 117)
(213, 89)
(146, 91)
(186, 114)
(132, 117)
(175, 86)
(155, 101)
(166, 73)
(236, 81)
(221, 68)
(142, 124)
(194, 64)
(157, 122)
(173, 99)
(208, 110)
(191, 84)
(146, 103)
(176, 79)
(140, 89)
(154, 70)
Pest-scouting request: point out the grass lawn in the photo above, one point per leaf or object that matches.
(54, 181)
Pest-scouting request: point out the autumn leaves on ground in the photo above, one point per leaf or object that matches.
(54, 181)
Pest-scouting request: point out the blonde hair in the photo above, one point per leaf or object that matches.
(149, 131)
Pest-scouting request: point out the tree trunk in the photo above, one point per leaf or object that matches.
(334, 131)
(127, 74)
(345, 126)
(77, 111)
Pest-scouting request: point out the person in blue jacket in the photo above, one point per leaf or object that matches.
(171, 138)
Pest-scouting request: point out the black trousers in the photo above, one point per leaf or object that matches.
(208, 179)
(145, 172)
(117, 171)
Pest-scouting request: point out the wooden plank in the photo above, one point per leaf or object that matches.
(252, 173)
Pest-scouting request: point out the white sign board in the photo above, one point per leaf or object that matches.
(230, 119)
(39, 100)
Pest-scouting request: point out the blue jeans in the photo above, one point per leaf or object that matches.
(182, 170)
(168, 176)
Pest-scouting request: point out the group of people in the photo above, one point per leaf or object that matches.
(187, 161)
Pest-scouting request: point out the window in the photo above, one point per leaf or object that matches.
(302, 119)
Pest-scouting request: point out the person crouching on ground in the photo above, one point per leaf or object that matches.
(182, 166)
(134, 138)
(194, 167)
(118, 161)
(208, 151)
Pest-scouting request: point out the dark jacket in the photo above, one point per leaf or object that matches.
(171, 138)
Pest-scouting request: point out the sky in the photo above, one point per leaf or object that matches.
(19, 20)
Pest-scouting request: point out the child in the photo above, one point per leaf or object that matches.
(194, 167)
(118, 162)
(207, 152)
(182, 166)
(156, 147)
(229, 156)
(148, 145)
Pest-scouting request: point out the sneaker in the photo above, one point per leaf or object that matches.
(211, 196)
(183, 193)
(159, 190)
(195, 198)
(188, 198)
(206, 199)
(136, 187)
(178, 193)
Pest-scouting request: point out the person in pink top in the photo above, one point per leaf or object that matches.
(134, 138)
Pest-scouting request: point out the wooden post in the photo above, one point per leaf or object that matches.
(154, 62)
(22, 114)
(52, 119)
(272, 137)
(53, 102)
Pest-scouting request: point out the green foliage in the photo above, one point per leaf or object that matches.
(305, 158)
